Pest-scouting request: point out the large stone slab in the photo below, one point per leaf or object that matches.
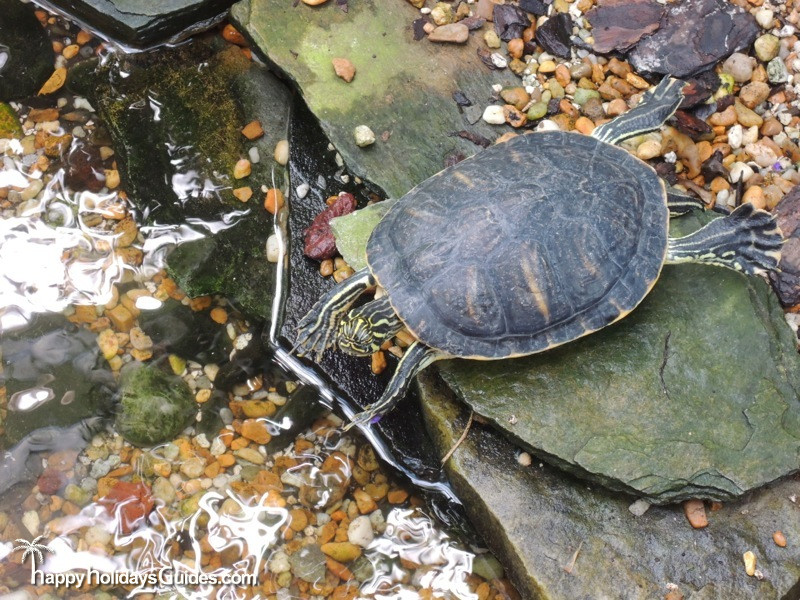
(535, 519)
(695, 394)
(26, 54)
(402, 88)
(176, 120)
(142, 23)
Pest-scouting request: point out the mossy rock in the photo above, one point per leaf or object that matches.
(26, 54)
(154, 406)
(403, 88)
(561, 539)
(176, 122)
(9, 123)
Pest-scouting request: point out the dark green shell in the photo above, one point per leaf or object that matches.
(527, 245)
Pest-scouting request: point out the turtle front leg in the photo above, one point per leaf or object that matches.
(316, 331)
(417, 357)
(747, 240)
(680, 204)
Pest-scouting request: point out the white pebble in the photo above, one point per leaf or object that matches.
(31, 521)
(740, 170)
(364, 136)
(497, 88)
(750, 135)
(254, 155)
(765, 17)
(211, 370)
(735, 136)
(282, 152)
(360, 532)
(547, 125)
(524, 459)
(96, 535)
(279, 563)
(639, 507)
(302, 190)
(217, 447)
(202, 441)
(83, 103)
(494, 115)
(499, 61)
(273, 248)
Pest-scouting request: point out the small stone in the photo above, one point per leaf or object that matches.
(359, 532)
(442, 13)
(314, 2)
(767, 47)
(274, 200)
(516, 47)
(55, 82)
(31, 521)
(251, 455)
(754, 195)
(491, 39)
(735, 137)
(493, 114)
(779, 539)
(776, 71)
(765, 18)
(749, 563)
(740, 171)
(547, 66)
(242, 169)
(112, 178)
(513, 116)
(453, 33)
(255, 430)
(739, 66)
(341, 551)
(273, 249)
(243, 194)
(344, 69)
(763, 155)
(584, 125)
(364, 136)
(639, 507)
(253, 130)
(583, 95)
(281, 153)
(516, 96)
(754, 93)
(746, 117)
(648, 149)
(193, 467)
(71, 51)
(695, 512)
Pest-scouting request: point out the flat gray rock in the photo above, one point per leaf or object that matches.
(539, 521)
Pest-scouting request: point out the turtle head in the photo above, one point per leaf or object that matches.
(367, 327)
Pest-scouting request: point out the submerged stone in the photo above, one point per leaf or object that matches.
(26, 55)
(693, 395)
(399, 92)
(176, 119)
(694, 36)
(787, 281)
(618, 25)
(154, 406)
(561, 539)
(9, 123)
(143, 23)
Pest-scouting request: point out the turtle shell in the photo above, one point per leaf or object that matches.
(527, 245)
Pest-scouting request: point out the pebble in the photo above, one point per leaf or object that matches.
(274, 200)
(30, 519)
(776, 71)
(639, 507)
(740, 170)
(359, 532)
(254, 155)
(494, 115)
(754, 93)
(243, 194)
(754, 195)
(364, 136)
(767, 47)
(499, 61)
(453, 33)
(344, 69)
(745, 116)
(253, 130)
(648, 149)
(281, 154)
(242, 169)
(779, 539)
(193, 467)
(739, 66)
(341, 551)
(750, 135)
(491, 39)
(251, 455)
(96, 535)
(735, 137)
(749, 563)
(695, 512)
(765, 18)
(763, 155)
(302, 190)
(273, 248)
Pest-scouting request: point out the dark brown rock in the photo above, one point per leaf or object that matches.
(554, 35)
(619, 24)
(85, 168)
(510, 21)
(787, 281)
(694, 36)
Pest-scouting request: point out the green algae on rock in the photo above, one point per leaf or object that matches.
(693, 395)
(154, 406)
(26, 54)
(176, 121)
(540, 522)
(403, 90)
(9, 123)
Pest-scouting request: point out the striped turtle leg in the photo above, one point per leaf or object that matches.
(417, 357)
(366, 327)
(657, 105)
(316, 331)
(747, 240)
(679, 203)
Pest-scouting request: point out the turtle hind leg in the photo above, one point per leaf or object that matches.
(748, 240)
(417, 357)
(317, 330)
(657, 105)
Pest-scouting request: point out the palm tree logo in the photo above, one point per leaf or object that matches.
(34, 550)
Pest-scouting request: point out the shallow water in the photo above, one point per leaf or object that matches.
(63, 249)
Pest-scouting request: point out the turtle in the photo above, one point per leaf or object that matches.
(528, 245)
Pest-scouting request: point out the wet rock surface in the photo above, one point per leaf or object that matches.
(694, 36)
(26, 56)
(787, 281)
(561, 539)
(143, 23)
(652, 405)
(411, 113)
(178, 135)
